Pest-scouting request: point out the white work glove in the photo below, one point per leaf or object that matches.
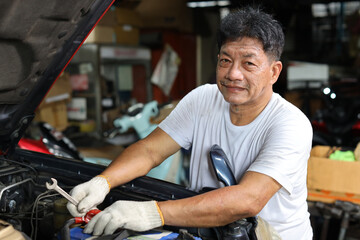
(89, 195)
(131, 215)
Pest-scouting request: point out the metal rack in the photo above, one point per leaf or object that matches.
(91, 59)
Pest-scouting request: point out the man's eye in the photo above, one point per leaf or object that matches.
(224, 61)
(249, 63)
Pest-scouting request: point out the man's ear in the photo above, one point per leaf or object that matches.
(276, 68)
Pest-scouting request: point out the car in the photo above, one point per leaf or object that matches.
(37, 41)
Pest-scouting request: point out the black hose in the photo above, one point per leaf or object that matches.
(65, 230)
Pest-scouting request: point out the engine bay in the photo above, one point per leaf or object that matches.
(25, 202)
(27, 205)
(39, 213)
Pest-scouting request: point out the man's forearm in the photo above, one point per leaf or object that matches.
(215, 208)
(222, 206)
(133, 162)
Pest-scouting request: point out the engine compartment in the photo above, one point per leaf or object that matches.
(27, 205)
(39, 213)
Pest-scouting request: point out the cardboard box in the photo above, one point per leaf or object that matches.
(128, 17)
(172, 14)
(127, 35)
(329, 180)
(109, 19)
(119, 16)
(121, 34)
(127, 29)
(55, 114)
(53, 108)
(102, 34)
(61, 90)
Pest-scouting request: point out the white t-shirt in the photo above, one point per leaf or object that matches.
(277, 143)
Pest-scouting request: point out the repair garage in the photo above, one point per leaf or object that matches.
(85, 84)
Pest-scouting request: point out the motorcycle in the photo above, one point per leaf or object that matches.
(44, 138)
(338, 123)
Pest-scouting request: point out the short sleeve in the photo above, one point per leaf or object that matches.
(285, 152)
(179, 124)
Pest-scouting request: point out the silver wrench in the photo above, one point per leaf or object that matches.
(56, 187)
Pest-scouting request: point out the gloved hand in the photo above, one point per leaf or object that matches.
(89, 195)
(131, 215)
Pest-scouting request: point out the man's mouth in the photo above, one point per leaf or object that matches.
(233, 85)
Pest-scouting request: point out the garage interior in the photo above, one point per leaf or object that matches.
(113, 91)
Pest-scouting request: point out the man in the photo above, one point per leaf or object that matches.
(266, 139)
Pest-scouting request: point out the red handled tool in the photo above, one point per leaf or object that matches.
(88, 216)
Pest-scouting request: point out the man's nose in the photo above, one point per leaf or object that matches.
(234, 73)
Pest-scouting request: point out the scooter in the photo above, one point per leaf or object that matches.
(139, 117)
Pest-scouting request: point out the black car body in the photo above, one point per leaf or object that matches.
(37, 40)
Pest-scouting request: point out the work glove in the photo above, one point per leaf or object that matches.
(89, 195)
(131, 215)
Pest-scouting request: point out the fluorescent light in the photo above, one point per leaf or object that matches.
(220, 3)
(223, 12)
(326, 91)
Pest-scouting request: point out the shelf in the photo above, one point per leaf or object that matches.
(106, 63)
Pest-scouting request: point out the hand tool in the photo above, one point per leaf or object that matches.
(84, 219)
(88, 216)
(55, 187)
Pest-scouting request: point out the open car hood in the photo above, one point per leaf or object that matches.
(37, 40)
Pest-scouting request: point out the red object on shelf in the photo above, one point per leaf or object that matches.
(79, 82)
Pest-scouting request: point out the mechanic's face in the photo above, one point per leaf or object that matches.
(245, 74)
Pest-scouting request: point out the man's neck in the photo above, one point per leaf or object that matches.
(241, 115)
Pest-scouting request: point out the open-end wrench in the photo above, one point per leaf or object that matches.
(55, 186)
(84, 219)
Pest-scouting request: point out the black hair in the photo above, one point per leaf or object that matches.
(253, 23)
